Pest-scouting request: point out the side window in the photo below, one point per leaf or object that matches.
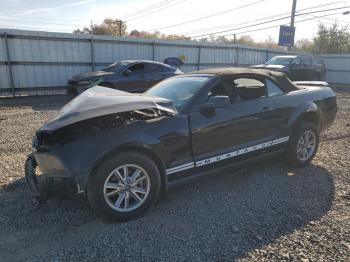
(250, 88)
(137, 68)
(317, 62)
(296, 61)
(166, 69)
(225, 88)
(306, 61)
(273, 89)
(155, 68)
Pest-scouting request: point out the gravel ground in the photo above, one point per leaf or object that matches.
(266, 212)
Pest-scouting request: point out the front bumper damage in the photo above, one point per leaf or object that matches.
(44, 186)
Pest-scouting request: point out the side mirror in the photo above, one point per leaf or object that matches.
(127, 72)
(217, 102)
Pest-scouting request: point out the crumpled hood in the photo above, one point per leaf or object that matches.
(271, 67)
(99, 101)
(91, 75)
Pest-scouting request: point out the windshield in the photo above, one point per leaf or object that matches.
(180, 90)
(279, 60)
(116, 67)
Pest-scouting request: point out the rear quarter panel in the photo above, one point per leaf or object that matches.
(318, 100)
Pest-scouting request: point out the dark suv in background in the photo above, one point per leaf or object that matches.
(297, 67)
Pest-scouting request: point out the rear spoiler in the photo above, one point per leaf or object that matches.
(311, 83)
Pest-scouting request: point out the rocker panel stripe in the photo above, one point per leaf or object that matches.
(227, 155)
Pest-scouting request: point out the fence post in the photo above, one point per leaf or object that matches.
(8, 58)
(237, 56)
(199, 57)
(154, 50)
(266, 55)
(92, 53)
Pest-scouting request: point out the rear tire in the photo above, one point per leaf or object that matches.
(114, 192)
(303, 144)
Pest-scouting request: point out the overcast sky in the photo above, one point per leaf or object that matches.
(67, 15)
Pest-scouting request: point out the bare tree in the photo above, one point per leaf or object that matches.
(109, 26)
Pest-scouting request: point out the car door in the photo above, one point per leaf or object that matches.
(154, 74)
(318, 69)
(132, 78)
(247, 121)
(296, 69)
(309, 73)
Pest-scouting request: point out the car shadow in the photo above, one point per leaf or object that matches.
(251, 207)
(219, 217)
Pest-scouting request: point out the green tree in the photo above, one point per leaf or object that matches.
(335, 39)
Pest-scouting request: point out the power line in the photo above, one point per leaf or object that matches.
(147, 9)
(274, 26)
(80, 25)
(270, 21)
(264, 18)
(209, 16)
(254, 30)
(157, 10)
(260, 19)
(156, 5)
(330, 19)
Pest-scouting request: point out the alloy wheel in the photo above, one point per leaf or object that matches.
(126, 188)
(306, 145)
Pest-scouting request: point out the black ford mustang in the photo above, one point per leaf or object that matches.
(124, 149)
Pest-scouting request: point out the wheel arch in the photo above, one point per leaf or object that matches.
(311, 116)
(307, 112)
(133, 147)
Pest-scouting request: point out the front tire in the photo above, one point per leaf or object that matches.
(303, 144)
(124, 186)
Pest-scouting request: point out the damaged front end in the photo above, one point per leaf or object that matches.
(43, 186)
(81, 129)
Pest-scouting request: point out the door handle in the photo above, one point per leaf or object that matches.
(266, 109)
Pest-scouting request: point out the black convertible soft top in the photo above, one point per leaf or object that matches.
(279, 78)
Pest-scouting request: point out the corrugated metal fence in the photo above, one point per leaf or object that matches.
(338, 68)
(33, 61)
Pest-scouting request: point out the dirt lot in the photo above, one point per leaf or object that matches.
(262, 213)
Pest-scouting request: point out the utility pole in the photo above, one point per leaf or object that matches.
(292, 17)
(234, 38)
(120, 27)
